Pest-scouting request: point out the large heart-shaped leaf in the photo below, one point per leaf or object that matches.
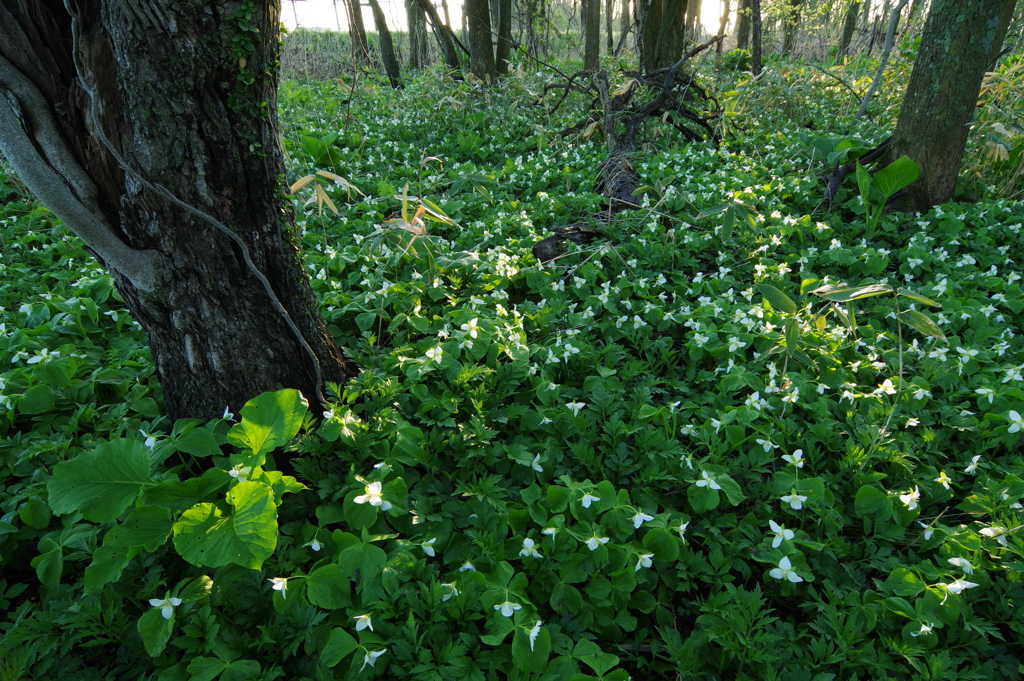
(205, 536)
(102, 483)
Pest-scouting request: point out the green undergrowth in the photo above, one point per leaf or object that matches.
(734, 438)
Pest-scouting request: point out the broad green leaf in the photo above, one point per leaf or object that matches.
(907, 293)
(147, 527)
(903, 582)
(844, 294)
(872, 501)
(198, 442)
(895, 176)
(38, 399)
(206, 668)
(241, 670)
(728, 220)
(101, 483)
(662, 544)
(269, 421)
(779, 300)
(340, 644)
(702, 498)
(527, 656)
(55, 373)
(50, 564)
(864, 184)
(731, 488)
(35, 514)
(205, 536)
(920, 322)
(327, 587)
(369, 560)
(155, 630)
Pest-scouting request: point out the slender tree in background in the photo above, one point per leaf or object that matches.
(174, 183)
(625, 23)
(693, 25)
(743, 25)
(481, 47)
(592, 34)
(849, 26)
(419, 49)
(357, 32)
(443, 34)
(503, 48)
(609, 25)
(790, 22)
(387, 46)
(723, 25)
(961, 38)
(755, 37)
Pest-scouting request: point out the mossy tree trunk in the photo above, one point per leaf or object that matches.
(961, 38)
(849, 26)
(172, 131)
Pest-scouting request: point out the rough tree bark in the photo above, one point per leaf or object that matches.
(592, 34)
(743, 25)
(163, 157)
(357, 32)
(664, 33)
(387, 46)
(443, 34)
(755, 37)
(849, 26)
(481, 48)
(419, 50)
(961, 38)
(790, 22)
(503, 48)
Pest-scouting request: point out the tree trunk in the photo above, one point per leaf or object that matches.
(592, 33)
(419, 50)
(503, 50)
(849, 26)
(192, 189)
(664, 33)
(609, 25)
(444, 36)
(387, 46)
(693, 24)
(357, 32)
(625, 21)
(755, 37)
(650, 23)
(481, 48)
(961, 37)
(723, 25)
(743, 25)
(790, 21)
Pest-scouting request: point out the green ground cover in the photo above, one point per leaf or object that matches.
(718, 443)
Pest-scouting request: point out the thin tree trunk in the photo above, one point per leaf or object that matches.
(197, 196)
(849, 26)
(723, 25)
(357, 32)
(387, 46)
(503, 50)
(625, 21)
(443, 35)
(592, 33)
(419, 49)
(693, 24)
(790, 21)
(755, 37)
(743, 25)
(894, 20)
(609, 25)
(942, 93)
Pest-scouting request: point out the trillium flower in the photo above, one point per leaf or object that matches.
(536, 464)
(796, 458)
(928, 531)
(973, 466)
(644, 562)
(640, 518)
(371, 658)
(943, 479)
(911, 498)
(470, 327)
(150, 438)
(228, 416)
(785, 571)
(529, 549)
(508, 607)
(682, 531)
(166, 605)
(550, 531)
(959, 585)
(987, 392)
(707, 481)
(374, 496)
(596, 541)
(963, 564)
(995, 532)
(925, 629)
(314, 544)
(781, 533)
(534, 633)
(795, 501)
(588, 499)
(768, 445)
(435, 354)
(575, 407)
(467, 567)
(240, 472)
(280, 584)
(452, 591)
(428, 547)
(363, 622)
(1016, 422)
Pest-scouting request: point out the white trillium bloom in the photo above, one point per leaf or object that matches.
(1016, 422)
(363, 622)
(467, 567)
(928, 531)
(508, 607)
(796, 458)
(707, 481)
(781, 533)
(436, 354)
(973, 466)
(644, 562)
(536, 464)
(550, 531)
(471, 327)
(374, 496)
(682, 531)
(240, 472)
(596, 541)
(452, 591)
(166, 605)
(943, 479)
(963, 564)
(640, 518)
(371, 658)
(314, 544)
(911, 498)
(995, 532)
(575, 407)
(428, 547)
(588, 499)
(280, 584)
(795, 501)
(925, 629)
(785, 571)
(959, 585)
(529, 549)
(534, 633)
